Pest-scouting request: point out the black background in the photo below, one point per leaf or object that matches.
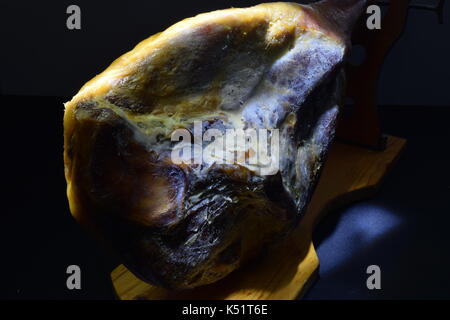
(43, 57)
(404, 229)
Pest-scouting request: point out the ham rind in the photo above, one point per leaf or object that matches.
(274, 67)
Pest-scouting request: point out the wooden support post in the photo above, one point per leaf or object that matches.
(359, 122)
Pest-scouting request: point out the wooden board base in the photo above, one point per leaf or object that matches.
(285, 271)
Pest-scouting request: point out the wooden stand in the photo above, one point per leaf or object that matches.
(286, 271)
